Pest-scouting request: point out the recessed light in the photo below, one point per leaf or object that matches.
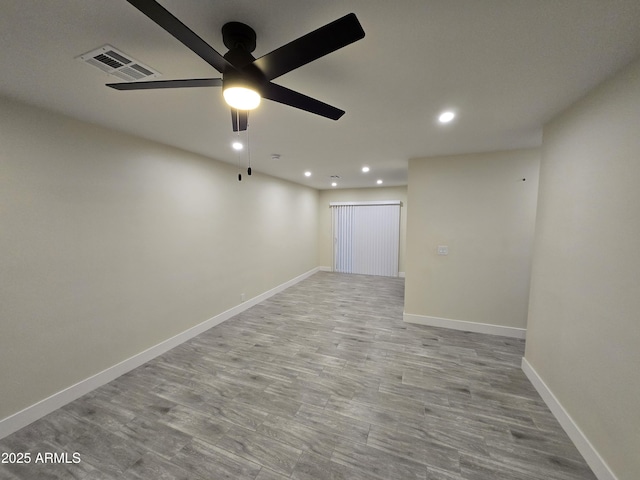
(379, 182)
(446, 117)
(365, 169)
(334, 184)
(237, 145)
(307, 173)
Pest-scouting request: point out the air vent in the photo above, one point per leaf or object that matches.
(118, 64)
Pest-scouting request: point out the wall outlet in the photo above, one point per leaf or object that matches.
(443, 250)
(242, 297)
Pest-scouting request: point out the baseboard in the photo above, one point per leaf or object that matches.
(38, 410)
(329, 269)
(465, 326)
(586, 449)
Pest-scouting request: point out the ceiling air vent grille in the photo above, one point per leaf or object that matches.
(114, 62)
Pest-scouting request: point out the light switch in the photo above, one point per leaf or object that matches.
(443, 250)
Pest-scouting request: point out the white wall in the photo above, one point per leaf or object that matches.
(325, 245)
(480, 208)
(584, 314)
(111, 244)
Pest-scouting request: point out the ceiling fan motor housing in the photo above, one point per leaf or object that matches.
(234, 78)
(240, 39)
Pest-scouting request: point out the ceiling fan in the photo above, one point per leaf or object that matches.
(246, 79)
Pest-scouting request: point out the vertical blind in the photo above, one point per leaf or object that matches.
(366, 237)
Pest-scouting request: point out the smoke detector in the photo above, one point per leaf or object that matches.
(114, 62)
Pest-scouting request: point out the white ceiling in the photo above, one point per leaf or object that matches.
(506, 67)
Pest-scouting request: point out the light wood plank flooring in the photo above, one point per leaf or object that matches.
(322, 381)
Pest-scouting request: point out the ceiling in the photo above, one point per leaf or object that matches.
(505, 67)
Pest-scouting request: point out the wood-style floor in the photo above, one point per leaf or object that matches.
(322, 381)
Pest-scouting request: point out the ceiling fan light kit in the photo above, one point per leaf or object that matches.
(245, 79)
(241, 98)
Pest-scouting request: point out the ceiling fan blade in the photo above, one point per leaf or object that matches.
(239, 119)
(155, 84)
(309, 47)
(180, 31)
(281, 94)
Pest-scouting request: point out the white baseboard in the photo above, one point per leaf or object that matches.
(38, 410)
(465, 326)
(329, 269)
(582, 443)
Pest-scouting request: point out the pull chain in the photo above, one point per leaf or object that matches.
(248, 147)
(238, 151)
